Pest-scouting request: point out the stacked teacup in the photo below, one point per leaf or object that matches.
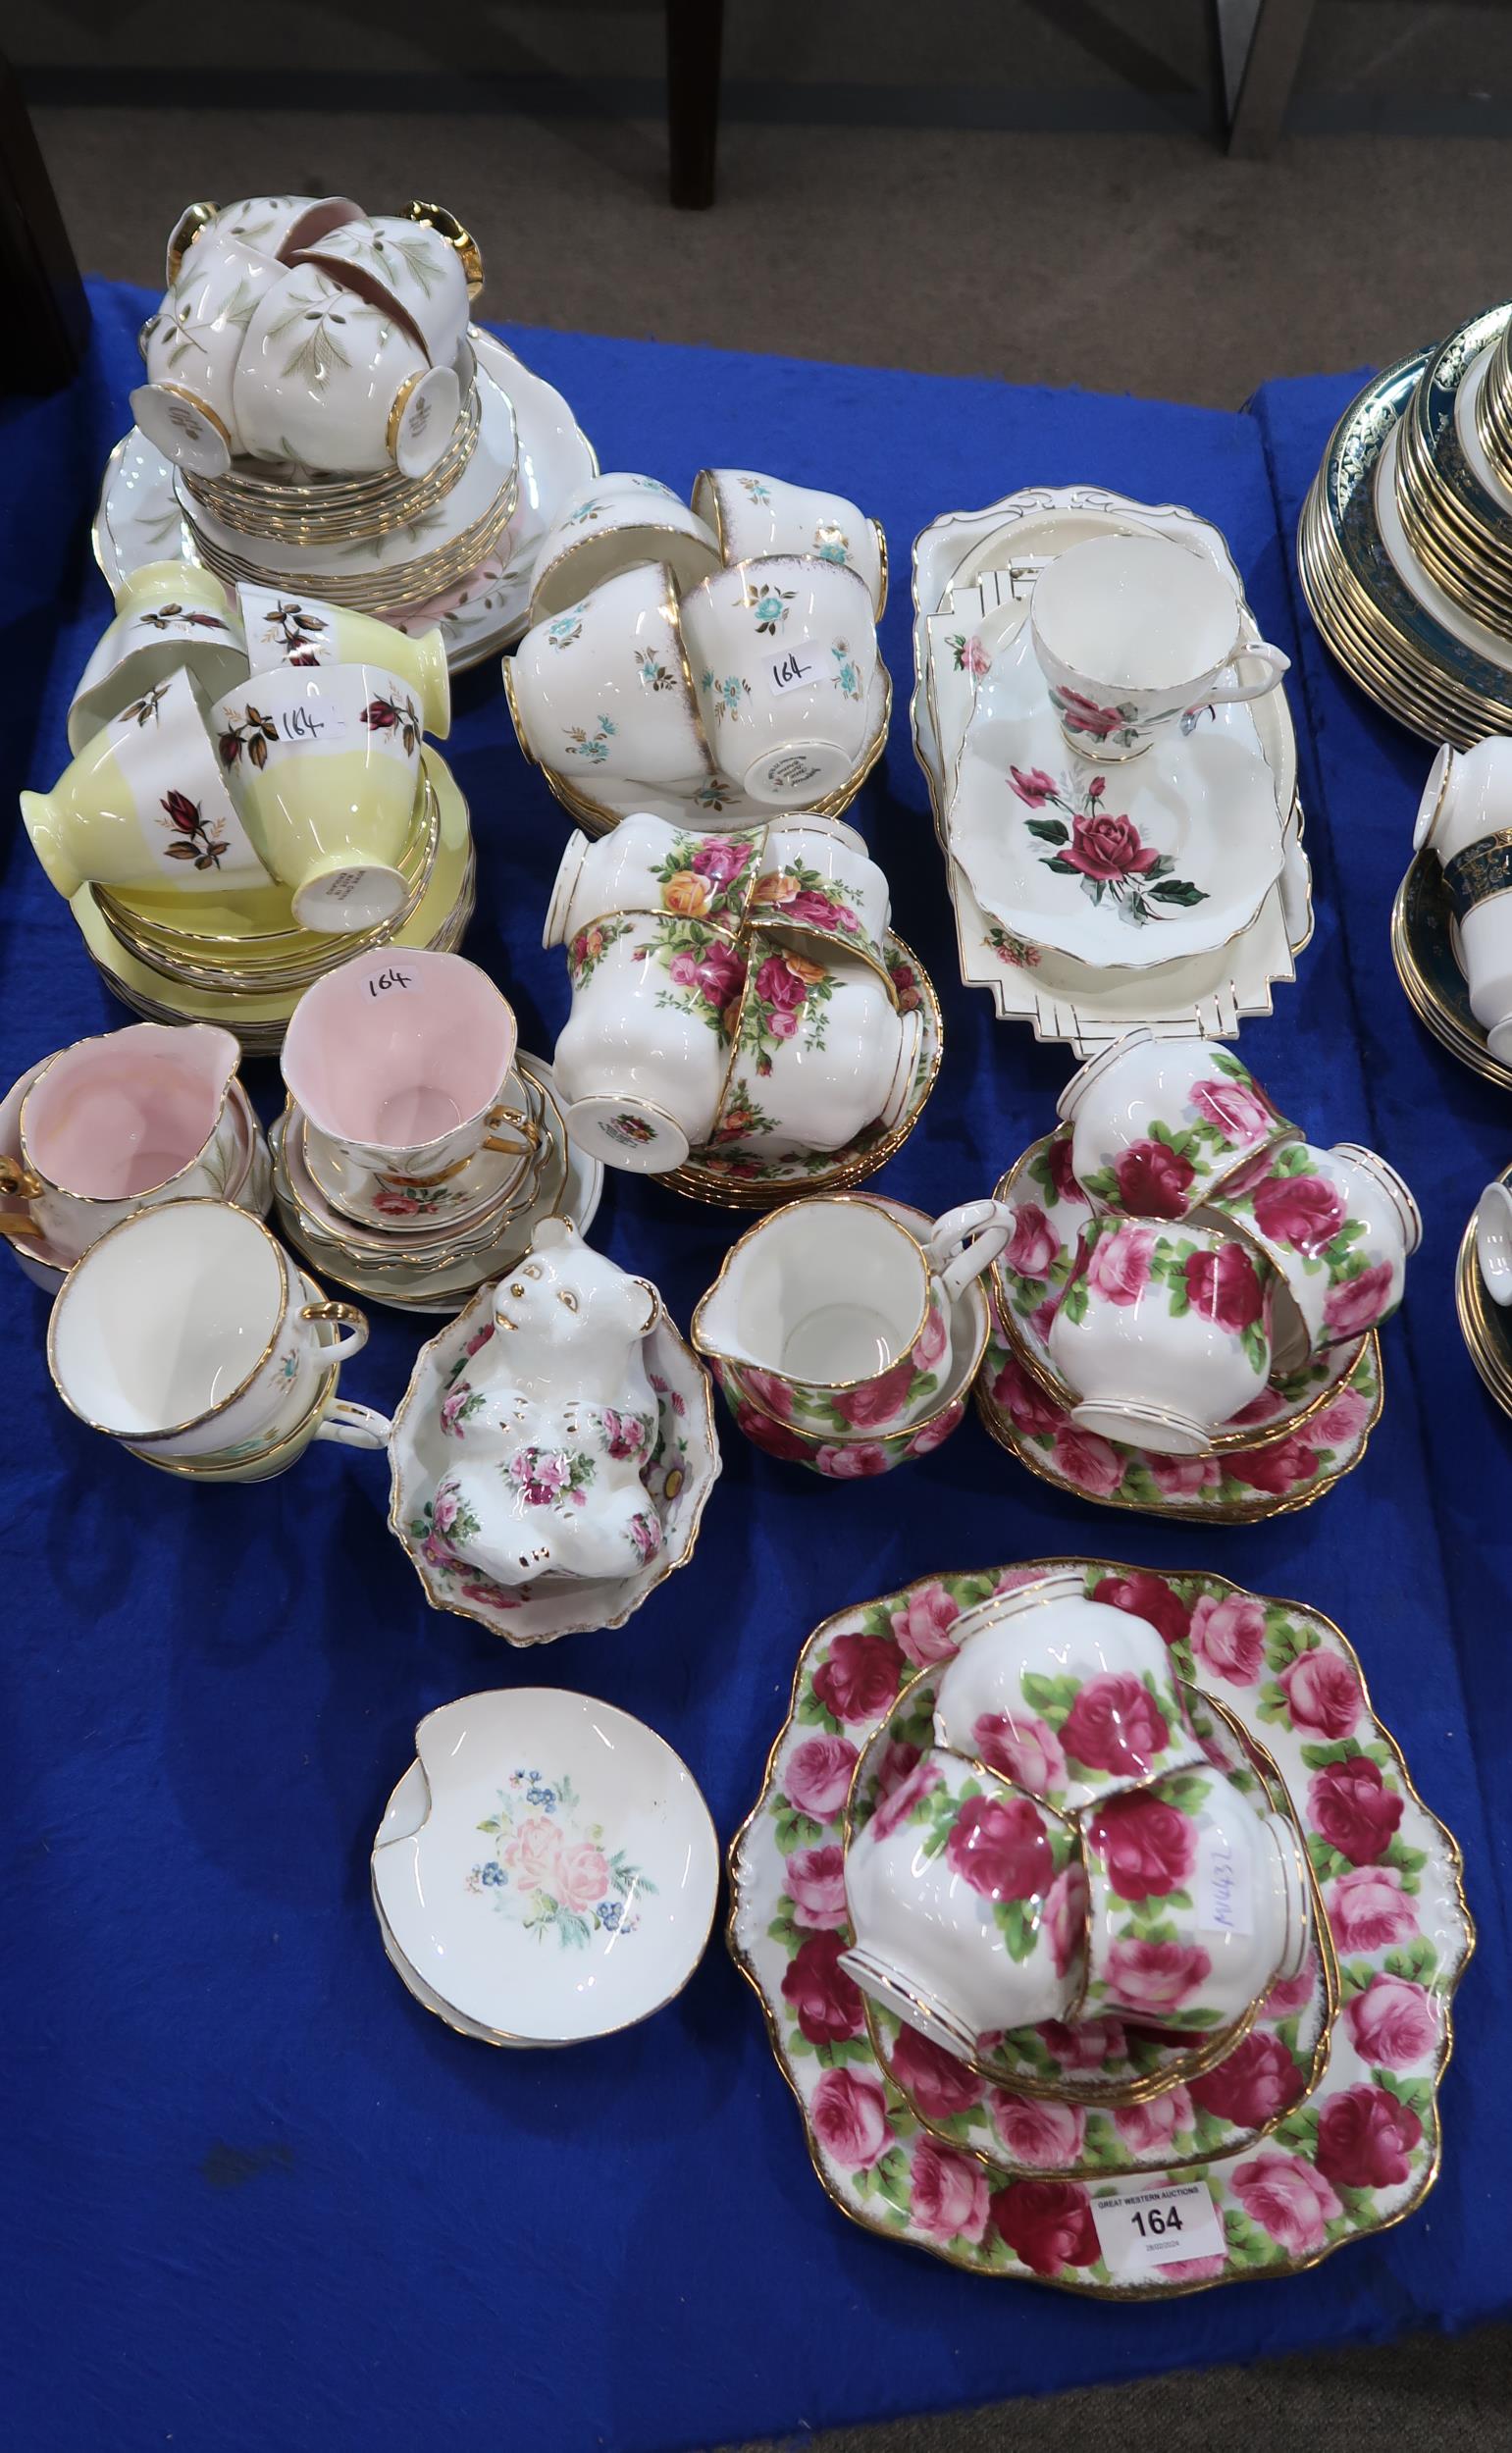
(712, 661)
(1070, 1857)
(730, 992)
(1222, 1253)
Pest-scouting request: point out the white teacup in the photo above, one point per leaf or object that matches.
(401, 1057)
(145, 804)
(753, 515)
(1163, 1332)
(1465, 818)
(646, 864)
(187, 1330)
(783, 650)
(191, 347)
(403, 264)
(645, 1051)
(112, 1125)
(270, 225)
(616, 522)
(324, 765)
(1135, 635)
(821, 1050)
(1157, 1124)
(1493, 1241)
(1339, 1226)
(280, 627)
(328, 378)
(605, 689)
(168, 615)
(819, 884)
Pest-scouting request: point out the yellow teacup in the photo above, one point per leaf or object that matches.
(286, 629)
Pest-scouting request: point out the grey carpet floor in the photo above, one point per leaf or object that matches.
(1122, 263)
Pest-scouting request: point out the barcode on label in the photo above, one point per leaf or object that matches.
(796, 668)
(1141, 2230)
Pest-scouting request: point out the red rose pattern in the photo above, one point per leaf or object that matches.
(1147, 1978)
(1092, 1463)
(1256, 2083)
(1237, 1107)
(1146, 1596)
(817, 1777)
(1323, 1689)
(1287, 2199)
(1230, 1636)
(1115, 1725)
(1225, 1287)
(1034, 1245)
(814, 1882)
(1153, 1179)
(1062, 1174)
(938, 2083)
(1001, 1846)
(1365, 2139)
(1047, 2223)
(1368, 1910)
(948, 2198)
(1045, 2136)
(1393, 2022)
(877, 1402)
(1281, 1467)
(849, 2114)
(1303, 1212)
(1145, 1846)
(823, 1998)
(859, 1676)
(1356, 1305)
(1353, 1809)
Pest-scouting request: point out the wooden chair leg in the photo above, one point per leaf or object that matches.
(694, 33)
(1259, 47)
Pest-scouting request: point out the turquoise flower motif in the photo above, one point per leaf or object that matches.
(847, 679)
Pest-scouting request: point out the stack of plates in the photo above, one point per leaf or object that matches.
(973, 577)
(1485, 1325)
(1423, 947)
(1405, 540)
(239, 960)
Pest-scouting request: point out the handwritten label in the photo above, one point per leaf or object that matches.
(1140, 2230)
(796, 668)
(1221, 1886)
(312, 723)
(389, 980)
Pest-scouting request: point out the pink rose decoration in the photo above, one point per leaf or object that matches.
(775, 1438)
(1237, 1107)
(444, 1507)
(1230, 1636)
(938, 2083)
(854, 1462)
(1353, 1809)
(849, 2114)
(1356, 1305)
(1323, 1689)
(897, 1804)
(1147, 2127)
(1033, 785)
(1305, 1212)
(1393, 2022)
(1145, 1596)
(1043, 2136)
(1115, 1725)
(859, 1676)
(532, 1853)
(1066, 1918)
(1365, 2139)
(1047, 2223)
(1146, 1847)
(923, 1626)
(948, 2197)
(720, 974)
(894, 1765)
(1287, 2199)
(583, 1876)
(823, 1998)
(1063, 1174)
(1253, 2085)
(930, 1344)
(1119, 1267)
(1107, 844)
(934, 1435)
(1342, 1419)
(1023, 1747)
(1092, 1463)
(1292, 1995)
(1183, 1477)
(818, 1778)
(721, 857)
(814, 1882)
(1285, 1465)
(777, 984)
(1153, 1977)
(1001, 1846)
(877, 1402)
(1035, 1244)
(1368, 1910)
(1153, 1179)
(1088, 2045)
(814, 907)
(1024, 1401)
(769, 1390)
(1225, 1287)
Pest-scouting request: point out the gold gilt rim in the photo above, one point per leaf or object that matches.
(1437, 1019)
(1060, 2282)
(1476, 1327)
(838, 1200)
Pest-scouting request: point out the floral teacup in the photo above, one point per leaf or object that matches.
(1340, 1227)
(620, 521)
(818, 883)
(753, 515)
(168, 615)
(1163, 1334)
(646, 1046)
(821, 1051)
(604, 688)
(332, 378)
(645, 865)
(783, 650)
(1157, 1124)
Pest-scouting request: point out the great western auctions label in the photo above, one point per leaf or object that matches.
(1220, 1890)
(796, 668)
(1140, 2230)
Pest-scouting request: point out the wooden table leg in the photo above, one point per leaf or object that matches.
(1260, 45)
(694, 32)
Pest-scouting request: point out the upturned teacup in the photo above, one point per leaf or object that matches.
(819, 884)
(967, 1903)
(603, 689)
(272, 225)
(646, 1050)
(617, 522)
(1136, 636)
(821, 1051)
(404, 265)
(753, 515)
(835, 1311)
(187, 1329)
(1222, 1885)
(281, 628)
(1157, 1124)
(783, 650)
(1339, 1226)
(645, 865)
(1162, 1333)
(191, 347)
(333, 380)
(1071, 1700)
(168, 615)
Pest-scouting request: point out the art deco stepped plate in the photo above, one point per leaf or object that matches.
(1120, 867)
(546, 1871)
(139, 519)
(1352, 2154)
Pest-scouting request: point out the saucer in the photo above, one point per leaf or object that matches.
(1423, 950)
(382, 1249)
(736, 1179)
(139, 521)
(898, 2180)
(681, 1472)
(395, 1206)
(1485, 1325)
(1121, 866)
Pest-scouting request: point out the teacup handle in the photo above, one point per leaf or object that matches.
(1229, 688)
(19, 1183)
(966, 1242)
(530, 1133)
(354, 1426)
(351, 1318)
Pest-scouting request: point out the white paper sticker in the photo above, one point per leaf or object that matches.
(1222, 1895)
(796, 668)
(1140, 2230)
(313, 722)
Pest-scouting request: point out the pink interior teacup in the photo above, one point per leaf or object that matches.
(399, 1058)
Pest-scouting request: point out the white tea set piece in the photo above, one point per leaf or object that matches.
(818, 879)
(604, 688)
(274, 226)
(1466, 820)
(332, 379)
(1135, 636)
(145, 804)
(1163, 1332)
(283, 628)
(400, 1060)
(1157, 1124)
(404, 265)
(833, 1296)
(1115, 867)
(618, 521)
(820, 1052)
(1493, 1241)
(647, 865)
(754, 514)
(643, 1054)
(168, 615)
(550, 1874)
(1340, 1227)
(967, 1903)
(554, 1421)
(1071, 1700)
(186, 1331)
(191, 347)
(783, 651)
(323, 766)
(109, 1125)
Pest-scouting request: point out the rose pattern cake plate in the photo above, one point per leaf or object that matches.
(1359, 2152)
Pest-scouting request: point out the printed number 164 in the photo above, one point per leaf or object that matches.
(1154, 2226)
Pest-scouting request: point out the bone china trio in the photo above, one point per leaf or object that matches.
(1075, 1912)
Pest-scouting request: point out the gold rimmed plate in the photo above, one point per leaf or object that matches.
(1423, 950)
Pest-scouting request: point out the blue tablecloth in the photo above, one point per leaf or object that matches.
(259, 2198)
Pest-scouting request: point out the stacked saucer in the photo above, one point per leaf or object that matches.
(1483, 1288)
(1405, 540)
(1055, 956)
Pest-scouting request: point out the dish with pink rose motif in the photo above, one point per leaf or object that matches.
(1358, 2153)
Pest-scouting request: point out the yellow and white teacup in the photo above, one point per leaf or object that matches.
(168, 615)
(281, 628)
